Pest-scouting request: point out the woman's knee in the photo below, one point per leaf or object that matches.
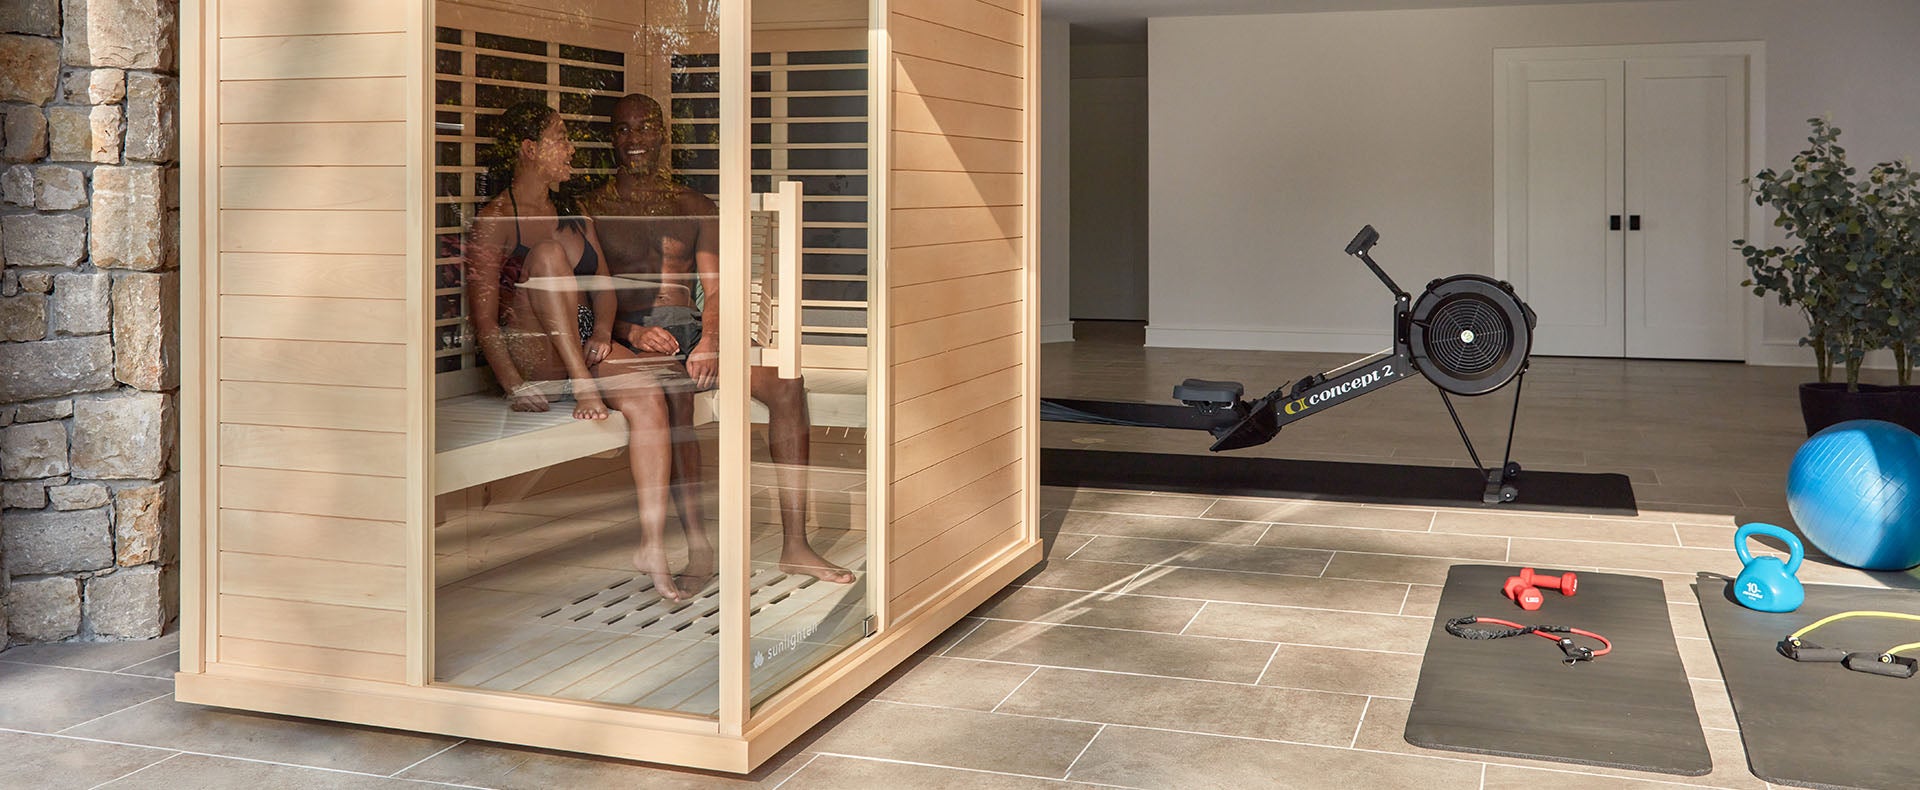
(548, 259)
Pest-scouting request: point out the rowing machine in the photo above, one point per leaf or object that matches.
(1467, 334)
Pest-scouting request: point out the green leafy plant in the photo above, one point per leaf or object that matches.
(1852, 272)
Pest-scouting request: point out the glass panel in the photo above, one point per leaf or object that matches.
(809, 470)
(577, 478)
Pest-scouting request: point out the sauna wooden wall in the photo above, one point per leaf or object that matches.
(957, 285)
(313, 443)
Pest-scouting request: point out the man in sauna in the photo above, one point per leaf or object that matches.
(655, 228)
(545, 332)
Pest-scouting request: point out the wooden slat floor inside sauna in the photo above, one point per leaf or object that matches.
(577, 622)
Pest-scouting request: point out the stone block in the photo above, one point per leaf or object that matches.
(78, 496)
(73, 541)
(43, 411)
(33, 17)
(84, 134)
(146, 523)
(127, 603)
(152, 130)
(129, 218)
(36, 282)
(23, 317)
(26, 134)
(93, 86)
(82, 304)
(26, 494)
(33, 450)
(9, 279)
(16, 186)
(123, 34)
(122, 437)
(52, 368)
(44, 239)
(146, 330)
(58, 188)
(29, 68)
(44, 610)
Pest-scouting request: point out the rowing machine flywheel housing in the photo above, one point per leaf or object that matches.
(1469, 334)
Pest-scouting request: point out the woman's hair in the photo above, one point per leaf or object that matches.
(526, 120)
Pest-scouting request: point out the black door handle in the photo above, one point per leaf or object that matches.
(1613, 222)
(1633, 222)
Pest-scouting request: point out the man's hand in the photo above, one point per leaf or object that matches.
(653, 339)
(703, 364)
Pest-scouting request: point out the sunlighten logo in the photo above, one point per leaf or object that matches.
(1361, 382)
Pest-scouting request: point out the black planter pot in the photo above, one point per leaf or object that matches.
(1822, 405)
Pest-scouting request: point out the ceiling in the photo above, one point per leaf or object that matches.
(1126, 20)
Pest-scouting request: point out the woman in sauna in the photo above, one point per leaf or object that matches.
(544, 335)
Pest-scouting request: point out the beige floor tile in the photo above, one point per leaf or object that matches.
(51, 699)
(1293, 511)
(1389, 568)
(834, 772)
(1101, 609)
(951, 636)
(1697, 655)
(950, 682)
(1266, 588)
(48, 762)
(258, 736)
(1423, 600)
(480, 764)
(1150, 758)
(1418, 544)
(1345, 671)
(218, 773)
(1213, 556)
(1209, 530)
(1088, 500)
(1314, 627)
(958, 738)
(1071, 574)
(1627, 558)
(1190, 706)
(1534, 525)
(102, 656)
(1715, 707)
(1117, 651)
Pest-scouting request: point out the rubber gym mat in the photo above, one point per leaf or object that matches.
(1818, 725)
(1632, 708)
(1389, 484)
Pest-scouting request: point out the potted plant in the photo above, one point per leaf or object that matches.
(1851, 274)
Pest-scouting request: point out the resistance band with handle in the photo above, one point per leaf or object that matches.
(1884, 662)
(1575, 653)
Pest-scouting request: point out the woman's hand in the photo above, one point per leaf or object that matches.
(703, 363)
(653, 339)
(598, 347)
(526, 397)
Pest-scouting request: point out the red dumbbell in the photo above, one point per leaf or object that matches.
(1525, 588)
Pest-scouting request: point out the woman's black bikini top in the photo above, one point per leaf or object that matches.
(513, 268)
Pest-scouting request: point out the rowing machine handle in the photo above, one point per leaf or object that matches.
(1363, 241)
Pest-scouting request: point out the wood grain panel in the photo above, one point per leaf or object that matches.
(915, 151)
(283, 101)
(949, 297)
(315, 537)
(986, 19)
(934, 115)
(313, 362)
(939, 407)
(380, 232)
(307, 56)
(913, 36)
(382, 143)
(313, 274)
(915, 265)
(313, 406)
(371, 188)
(314, 493)
(313, 581)
(382, 667)
(914, 227)
(314, 318)
(917, 491)
(933, 78)
(904, 602)
(921, 376)
(939, 335)
(913, 529)
(311, 17)
(314, 450)
(915, 453)
(922, 190)
(316, 625)
(938, 553)
(1016, 6)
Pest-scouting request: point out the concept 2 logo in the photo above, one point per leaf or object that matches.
(1356, 384)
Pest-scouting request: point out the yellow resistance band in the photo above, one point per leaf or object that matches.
(1795, 636)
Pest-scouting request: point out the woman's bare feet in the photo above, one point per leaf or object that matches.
(798, 557)
(652, 561)
(587, 404)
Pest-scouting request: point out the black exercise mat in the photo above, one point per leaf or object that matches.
(1818, 725)
(1389, 484)
(1632, 708)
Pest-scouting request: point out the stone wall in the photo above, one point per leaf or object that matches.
(89, 319)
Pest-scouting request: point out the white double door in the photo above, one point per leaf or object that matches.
(1622, 197)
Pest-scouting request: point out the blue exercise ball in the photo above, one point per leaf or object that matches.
(1854, 489)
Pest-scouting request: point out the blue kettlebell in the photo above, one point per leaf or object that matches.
(1766, 584)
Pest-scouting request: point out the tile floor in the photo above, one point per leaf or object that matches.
(1168, 641)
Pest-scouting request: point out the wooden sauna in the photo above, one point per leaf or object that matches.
(381, 523)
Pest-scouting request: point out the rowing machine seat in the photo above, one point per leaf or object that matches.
(1194, 392)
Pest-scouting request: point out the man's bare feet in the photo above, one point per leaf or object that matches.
(800, 558)
(652, 561)
(693, 579)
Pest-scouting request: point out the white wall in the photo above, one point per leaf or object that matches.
(1274, 138)
(1056, 205)
(1110, 181)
